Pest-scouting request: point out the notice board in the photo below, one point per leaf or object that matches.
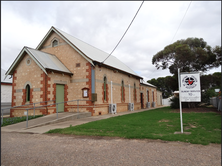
(190, 87)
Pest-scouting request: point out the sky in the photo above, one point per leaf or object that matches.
(102, 24)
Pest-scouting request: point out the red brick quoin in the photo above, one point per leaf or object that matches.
(44, 88)
(89, 85)
(13, 88)
(13, 93)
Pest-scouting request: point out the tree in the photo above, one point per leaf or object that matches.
(167, 85)
(192, 54)
(208, 84)
(210, 80)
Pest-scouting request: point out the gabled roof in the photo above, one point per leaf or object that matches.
(42, 59)
(147, 84)
(89, 52)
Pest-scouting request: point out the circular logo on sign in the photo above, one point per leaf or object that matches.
(189, 82)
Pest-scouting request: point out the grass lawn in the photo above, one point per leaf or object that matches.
(9, 121)
(159, 123)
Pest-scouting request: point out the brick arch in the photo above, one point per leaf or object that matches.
(24, 92)
(27, 82)
(53, 40)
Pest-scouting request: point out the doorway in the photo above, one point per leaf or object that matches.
(141, 98)
(60, 97)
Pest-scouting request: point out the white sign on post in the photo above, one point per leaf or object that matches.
(190, 88)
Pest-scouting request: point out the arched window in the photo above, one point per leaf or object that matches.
(27, 93)
(55, 43)
(105, 91)
(134, 92)
(122, 91)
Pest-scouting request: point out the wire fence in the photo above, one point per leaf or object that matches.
(30, 104)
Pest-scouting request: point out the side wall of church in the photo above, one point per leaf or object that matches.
(125, 88)
(121, 93)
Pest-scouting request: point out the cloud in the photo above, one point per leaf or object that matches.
(102, 24)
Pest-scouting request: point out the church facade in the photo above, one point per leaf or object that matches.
(63, 68)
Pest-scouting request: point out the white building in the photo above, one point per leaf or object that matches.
(6, 91)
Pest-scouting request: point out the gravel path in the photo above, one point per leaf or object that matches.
(19, 149)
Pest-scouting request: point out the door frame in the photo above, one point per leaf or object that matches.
(61, 107)
(141, 100)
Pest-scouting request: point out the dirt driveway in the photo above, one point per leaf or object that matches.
(19, 149)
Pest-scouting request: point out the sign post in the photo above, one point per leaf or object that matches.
(181, 119)
(189, 89)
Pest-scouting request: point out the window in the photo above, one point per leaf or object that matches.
(85, 92)
(134, 91)
(77, 64)
(153, 96)
(122, 91)
(147, 96)
(54, 43)
(104, 92)
(27, 93)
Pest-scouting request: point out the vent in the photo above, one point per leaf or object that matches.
(112, 108)
(131, 107)
(153, 104)
(148, 105)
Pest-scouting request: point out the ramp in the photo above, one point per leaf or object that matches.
(46, 120)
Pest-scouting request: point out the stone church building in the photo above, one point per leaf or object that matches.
(63, 68)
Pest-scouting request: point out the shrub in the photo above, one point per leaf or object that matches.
(9, 121)
(174, 103)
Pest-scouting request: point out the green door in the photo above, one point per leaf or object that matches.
(60, 97)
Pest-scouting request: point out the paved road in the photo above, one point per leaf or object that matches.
(22, 149)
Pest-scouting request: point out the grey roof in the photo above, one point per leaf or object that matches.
(42, 59)
(147, 84)
(92, 53)
(48, 61)
(6, 80)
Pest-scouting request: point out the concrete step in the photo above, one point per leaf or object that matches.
(70, 116)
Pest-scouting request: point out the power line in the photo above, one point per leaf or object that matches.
(125, 32)
(181, 21)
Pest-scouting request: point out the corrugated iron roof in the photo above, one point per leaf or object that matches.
(48, 61)
(96, 54)
(43, 60)
(146, 83)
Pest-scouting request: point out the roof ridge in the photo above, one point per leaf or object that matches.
(90, 52)
(83, 41)
(40, 51)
